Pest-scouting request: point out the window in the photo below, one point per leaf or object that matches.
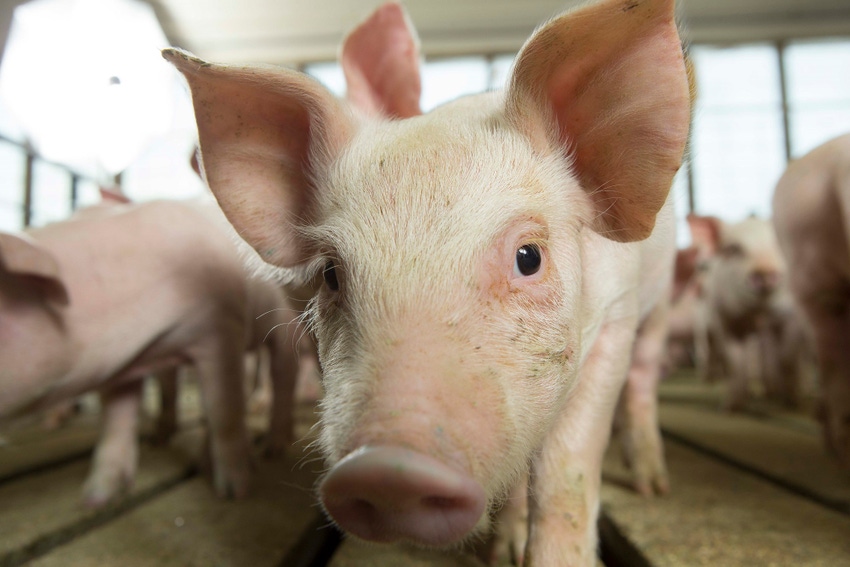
(12, 172)
(818, 76)
(738, 147)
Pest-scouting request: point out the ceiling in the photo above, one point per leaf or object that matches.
(296, 31)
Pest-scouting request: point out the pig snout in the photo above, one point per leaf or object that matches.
(764, 281)
(387, 494)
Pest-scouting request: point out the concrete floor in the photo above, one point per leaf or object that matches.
(747, 489)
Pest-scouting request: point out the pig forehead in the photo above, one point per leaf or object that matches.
(751, 231)
(432, 168)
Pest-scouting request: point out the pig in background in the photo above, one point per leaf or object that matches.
(684, 299)
(747, 328)
(119, 291)
(486, 267)
(811, 205)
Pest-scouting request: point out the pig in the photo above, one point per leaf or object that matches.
(113, 294)
(486, 266)
(811, 204)
(683, 304)
(746, 322)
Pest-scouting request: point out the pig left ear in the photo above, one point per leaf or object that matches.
(612, 79)
(380, 59)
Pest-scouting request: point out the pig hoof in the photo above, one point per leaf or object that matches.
(102, 488)
(233, 484)
(387, 494)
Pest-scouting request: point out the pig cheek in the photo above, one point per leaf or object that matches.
(536, 365)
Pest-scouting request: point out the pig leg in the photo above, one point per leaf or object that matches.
(831, 325)
(60, 414)
(640, 435)
(260, 387)
(707, 353)
(220, 369)
(511, 528)
(166, 423)
(567, 473)
(284, 370)
(308, 383)
(769, 368)
(738, 361)
(117, 452)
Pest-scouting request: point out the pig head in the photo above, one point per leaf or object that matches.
(480, 263)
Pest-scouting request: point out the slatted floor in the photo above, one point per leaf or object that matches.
(747, 490)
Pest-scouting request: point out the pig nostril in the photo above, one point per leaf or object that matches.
(363, 506)
(439, 502)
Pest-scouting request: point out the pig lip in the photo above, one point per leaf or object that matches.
(387, 494)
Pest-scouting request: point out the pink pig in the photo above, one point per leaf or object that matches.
(811, 207)
(483, 276)
(746, 324)
(116, 292)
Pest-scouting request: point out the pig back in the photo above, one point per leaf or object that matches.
(811, 205)
(145, 282)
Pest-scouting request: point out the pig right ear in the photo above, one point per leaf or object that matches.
(20, 255)
(113, 197)
(266, 134)
(705, 233)
(380, 59)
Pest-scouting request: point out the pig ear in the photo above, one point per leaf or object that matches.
(611, 78)
(705, 233)
(380, 59)
(23, 256)
(113, 197)
(265, 137)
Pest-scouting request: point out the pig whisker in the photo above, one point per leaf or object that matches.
(270, 311)
(272, 329)
(296, 486)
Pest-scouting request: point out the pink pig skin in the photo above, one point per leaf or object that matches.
(449, 372)
(811, 208)
(117, 292)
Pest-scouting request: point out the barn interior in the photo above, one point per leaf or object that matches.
(91, 113)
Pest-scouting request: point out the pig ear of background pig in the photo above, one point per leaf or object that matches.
(22, 256)
(612, 77)
(705, 234)
(113, 197)
(263, 132)
(380, 59)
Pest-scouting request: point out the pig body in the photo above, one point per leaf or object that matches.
(811, 205)
(115, 293)
(484, 275)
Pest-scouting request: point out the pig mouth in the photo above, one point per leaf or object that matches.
(389, 494)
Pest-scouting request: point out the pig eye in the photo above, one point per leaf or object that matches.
(528, 259)
(329, 273)
(732, 251)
